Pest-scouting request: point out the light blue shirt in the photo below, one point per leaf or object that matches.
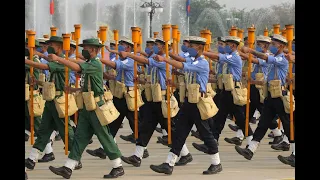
(160, 69)
(234, 64)
(201, 67)
(279, 63)
(126, 66)
(46, 72)
(264, 68)
(148, 69)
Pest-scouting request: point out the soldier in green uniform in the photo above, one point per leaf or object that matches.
(36, 72)
(50, 117)
(89, 123)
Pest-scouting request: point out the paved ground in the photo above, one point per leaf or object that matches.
(263, 166)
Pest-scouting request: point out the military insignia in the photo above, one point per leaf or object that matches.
(125, 61)
(195, 62)
(229, 56)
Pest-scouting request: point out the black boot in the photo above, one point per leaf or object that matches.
(57, 138)
(196, 134)
(200, 147)
(91, 141)
(235, 140)
(145, 153)
(115, 172)
(283, 146)
(134, 160)
(277, 140)
(97, 153)
(290, 160)
(121, 126)
(28, 163)
(47, 158)
(26, 137)
(213, 169)
(234, 128)
(129, 138)
(61, 171)
(253, 120)
(184, 160)
(162, 168)
(159, 130)
(246, 153)
(79, 166)
(270, 135)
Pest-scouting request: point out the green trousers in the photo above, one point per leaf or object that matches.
(88, 124)
(50, 122)
(27, 121)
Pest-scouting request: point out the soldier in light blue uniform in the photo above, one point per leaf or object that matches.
(190, 114)
(272, 106)
(72, 55)
(260, 66)
(216, 99)
(154, 115)
(149, 52)
(233, 66)
(44, 50)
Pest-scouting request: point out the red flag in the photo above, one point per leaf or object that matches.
(51, 7)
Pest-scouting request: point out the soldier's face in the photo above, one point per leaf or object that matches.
(160, 47)
(44, 47)
(263, 45)
(222, 44)
(149, 45)
(277, 44)
(56, 46)
(112, 46)
(186, 43)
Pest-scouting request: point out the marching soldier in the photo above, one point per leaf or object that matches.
(154, 115)
(124, 68)
(232, 65)
(36, 72)
(260, 66)
(190, 114)
(88, 123)
(50, 117)
(272, 105)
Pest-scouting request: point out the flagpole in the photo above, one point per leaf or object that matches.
(188, 26)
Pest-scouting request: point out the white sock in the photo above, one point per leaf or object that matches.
(293, 148)
(27, 132)
(215, 158)
(240, 134)
(253, 145)
(171, 159)
(72, 124)
(115, 140)
(34, 154)
(249, 139)
(48, 149)
(194, 128)
(164, 132)
(158, 125)
(101, 146)
(53, 135)
(281, 127)
(116, 163)
(285, 139)
(276, 132)
(71, 163)
(184, 150)
(145, 148)
(57, 133)
(139, 151)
